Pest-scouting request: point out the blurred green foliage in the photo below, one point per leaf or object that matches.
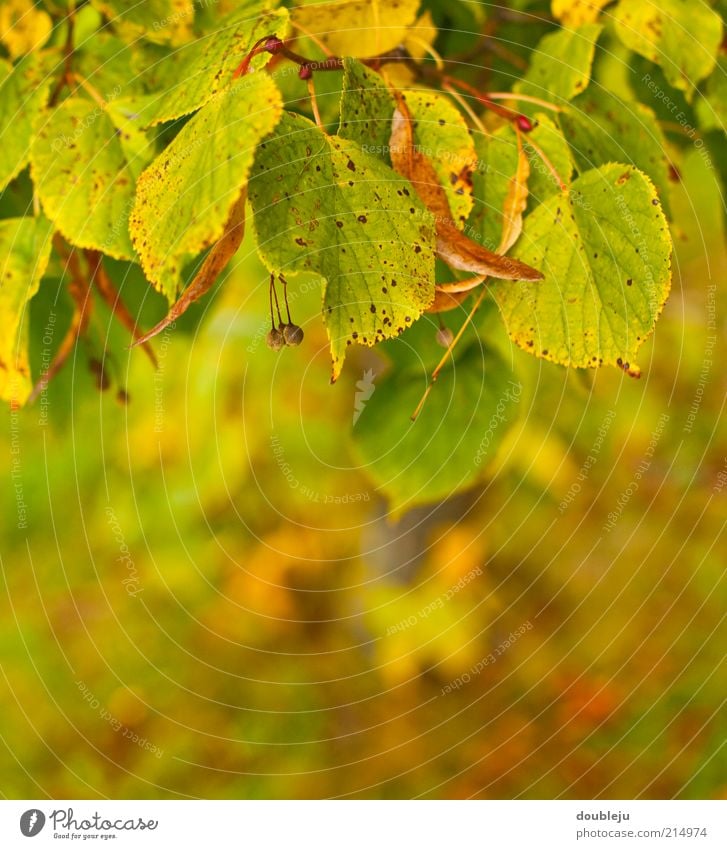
(191, 574)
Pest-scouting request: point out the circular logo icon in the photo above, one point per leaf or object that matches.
(32, 822)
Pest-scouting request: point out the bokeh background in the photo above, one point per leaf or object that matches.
(204, 595)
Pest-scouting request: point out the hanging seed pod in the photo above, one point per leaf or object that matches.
(275, 339)
(293, 334)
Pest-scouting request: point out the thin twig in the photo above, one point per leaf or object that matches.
(447, 353)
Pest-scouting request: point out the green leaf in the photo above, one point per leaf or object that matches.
(602, 128)
(604, 249)
(681, 36)
(185, 196)
(162, 21)
(25, 245)
(83, 177)
(496, 164)
(367, 107)
(561, 64)
(187, 78)
(24, 92)
(711, 108)
(468, 413)
(323, 205)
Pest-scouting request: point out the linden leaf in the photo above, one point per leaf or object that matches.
(603, 128)
(186, 195)
(162, 21)
(367, 106)
(456, 249)
(194, 73)
(561, 64)
(323, 205)
(604, 249)
(357, 27)
(682, 36)
(23, 26)
(575, 13)
(25, 245)
(83, 177)
(438, 130)
(456, 434)
(24, 92)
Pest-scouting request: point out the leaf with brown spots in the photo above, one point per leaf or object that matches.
(185, 197)
(605, 252)
(456, 249)
(323, 205)
(84, 177)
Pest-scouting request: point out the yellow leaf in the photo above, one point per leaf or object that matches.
(516, 200)
(357, 27)
(23, 27)
(575, 13)
(24, 252)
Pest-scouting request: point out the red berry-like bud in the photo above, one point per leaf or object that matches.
(525, 124)
(273, 45)
(305, 72)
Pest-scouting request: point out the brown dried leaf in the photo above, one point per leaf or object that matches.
(215, 262)
(516, 200)
(456, 249)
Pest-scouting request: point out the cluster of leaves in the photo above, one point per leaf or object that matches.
(148, 129)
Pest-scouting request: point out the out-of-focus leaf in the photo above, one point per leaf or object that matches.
(575, 13)
(711, 108)
(683, 37)
(560, 67)
(357, 27)
(83, 177)
(186, 195)
(605, 252)
(24, 26)
(602, 128)
(195, 73)
(323, 205)
(163, 21)
(24, 90)
(25, 245)
(474, 403)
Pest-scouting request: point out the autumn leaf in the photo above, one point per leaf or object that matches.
(516, 200)
(454, 247)
(213, 265)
